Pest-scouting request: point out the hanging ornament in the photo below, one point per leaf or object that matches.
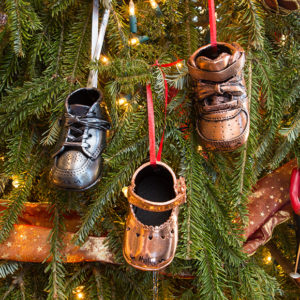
(77, 162)
(269, 206)
(132, 17)
(223, 119)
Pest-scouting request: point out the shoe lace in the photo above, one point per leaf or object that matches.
(77, 126)
(215, 94)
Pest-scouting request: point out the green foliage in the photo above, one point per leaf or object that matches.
(45, 55)
(8, 268)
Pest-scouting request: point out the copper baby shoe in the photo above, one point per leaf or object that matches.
(77, 160)
(152, 227)
(222, 104)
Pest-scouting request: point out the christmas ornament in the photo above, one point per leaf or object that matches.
(295, 190)
(222, 104)
(31, 244)
(77, 162)
(269, 206)
(29, 239)
(282, 6)
(152, 227)
(154, 195)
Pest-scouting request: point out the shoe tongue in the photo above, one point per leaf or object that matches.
(78, 109)
(217, 64)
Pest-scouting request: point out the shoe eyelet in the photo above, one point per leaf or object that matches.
(150, 237)
(137, 235)
(128, 228)
(89, 135)
(172, 231)
(163, 237)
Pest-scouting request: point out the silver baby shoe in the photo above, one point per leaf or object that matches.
(77, 161)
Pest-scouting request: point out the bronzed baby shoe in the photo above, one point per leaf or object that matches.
(222, 104)
(152, 227)
(77, 162)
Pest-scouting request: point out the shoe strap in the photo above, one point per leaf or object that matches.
(217, 76)
(142, 203)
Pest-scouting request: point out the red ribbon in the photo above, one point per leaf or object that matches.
(151, 121)
(212, 23)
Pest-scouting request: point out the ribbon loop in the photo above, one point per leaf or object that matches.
(151, 122)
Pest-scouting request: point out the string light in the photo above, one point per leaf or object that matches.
(78, 292)
(80, 295)
(179, 65)
(138, 39)
(104, 59)
(123, 101)
(132, 17)
(131, 8)
(125, 191)
(133, 41)
(155, 6)
(268, 259)
(15, 181)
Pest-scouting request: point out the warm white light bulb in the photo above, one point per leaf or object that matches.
(104, 59)
(131, 8)
(153, 4)
(125, 191)
(122, 101)
(269, 258)
(179, 65)
(134, 41)
(80, 296)
(15, 182)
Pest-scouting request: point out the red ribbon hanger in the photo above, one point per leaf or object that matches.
(212, 23)
(151, 121)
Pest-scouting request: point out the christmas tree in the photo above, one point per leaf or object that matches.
(45, 54)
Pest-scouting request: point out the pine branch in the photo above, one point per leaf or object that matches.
(18, 11)
(8, 268)
(56, 285)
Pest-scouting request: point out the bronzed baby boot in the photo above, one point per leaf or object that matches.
(222, 104)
